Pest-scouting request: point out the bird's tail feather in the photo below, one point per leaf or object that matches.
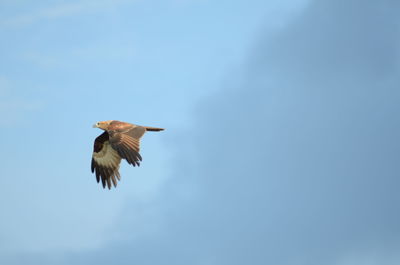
(153, 129)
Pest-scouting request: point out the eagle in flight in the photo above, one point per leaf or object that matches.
(120, 140)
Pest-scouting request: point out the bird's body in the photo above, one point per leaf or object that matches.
(120, 140)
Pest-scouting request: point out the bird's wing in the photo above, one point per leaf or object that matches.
(105, 161)
(127, 143)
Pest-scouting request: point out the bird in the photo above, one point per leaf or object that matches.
(120, 140)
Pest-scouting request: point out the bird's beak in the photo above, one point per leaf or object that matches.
(94, 126)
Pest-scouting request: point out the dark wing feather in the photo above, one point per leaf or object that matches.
(127, 143)
(105, 161)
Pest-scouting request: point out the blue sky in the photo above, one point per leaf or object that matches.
(281, 143)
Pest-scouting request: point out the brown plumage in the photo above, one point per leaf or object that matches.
(120, 140)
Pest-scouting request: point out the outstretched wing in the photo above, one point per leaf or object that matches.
(105, 161)
(127, 143)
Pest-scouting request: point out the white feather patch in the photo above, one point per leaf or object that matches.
(107, 157)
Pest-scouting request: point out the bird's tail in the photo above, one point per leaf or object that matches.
(153, 129)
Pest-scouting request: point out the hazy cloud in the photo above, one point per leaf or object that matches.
(299, 163)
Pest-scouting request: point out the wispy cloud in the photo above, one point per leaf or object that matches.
(58, 11)
(13, 108)
(90, 53)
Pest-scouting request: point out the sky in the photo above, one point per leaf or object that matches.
(281, 142)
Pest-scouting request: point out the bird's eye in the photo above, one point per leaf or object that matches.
(98, 123)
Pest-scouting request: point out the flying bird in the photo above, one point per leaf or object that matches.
(120, 140)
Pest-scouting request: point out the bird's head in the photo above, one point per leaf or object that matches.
(102, 124)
